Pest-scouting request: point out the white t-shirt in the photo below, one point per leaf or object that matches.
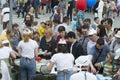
(81, 76)
(5, 13)
(5, 52)
(28, 48)
(63, 61)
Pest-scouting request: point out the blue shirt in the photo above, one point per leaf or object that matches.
(103, 53)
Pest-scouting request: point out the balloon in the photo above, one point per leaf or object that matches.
(118, 6)
(81, 4)
(91, 3)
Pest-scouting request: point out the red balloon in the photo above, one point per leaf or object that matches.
(81, 5)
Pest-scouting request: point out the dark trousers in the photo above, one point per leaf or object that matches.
(48, 8)
(4, 25)
(69, 13)
(36, 11)
(20, 10)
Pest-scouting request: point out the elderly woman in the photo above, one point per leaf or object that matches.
(47, 44)
(63, 60)
(27, 50)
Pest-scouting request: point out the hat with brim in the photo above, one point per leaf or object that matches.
(118, 34)
(117, 54)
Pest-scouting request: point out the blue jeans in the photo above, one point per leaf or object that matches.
(63, 75)
(27, 68)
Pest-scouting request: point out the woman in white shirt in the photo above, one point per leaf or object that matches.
(63, 60)
(27, 49)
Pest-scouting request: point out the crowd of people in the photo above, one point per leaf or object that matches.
(68, 39)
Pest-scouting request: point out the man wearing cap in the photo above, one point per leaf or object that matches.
(83, 63)
(93, 38)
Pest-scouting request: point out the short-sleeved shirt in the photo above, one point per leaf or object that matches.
(63, 61)
(28, 48)
(5, 13)
(95, 53)
(5, 52)
(108, 68)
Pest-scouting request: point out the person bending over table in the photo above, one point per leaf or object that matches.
(63, 60)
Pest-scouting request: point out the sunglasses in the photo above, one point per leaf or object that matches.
(47, 24)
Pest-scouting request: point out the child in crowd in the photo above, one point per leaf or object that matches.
(41, 29)
(108, 67)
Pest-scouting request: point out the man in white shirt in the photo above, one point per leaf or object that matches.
(5, 15)
(93, 38)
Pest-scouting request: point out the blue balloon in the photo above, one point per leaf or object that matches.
(119, 6)
(91, 3)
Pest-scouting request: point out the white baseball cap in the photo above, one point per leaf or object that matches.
(5, 41)
(83, 60)
(117, 54)
(92, 31)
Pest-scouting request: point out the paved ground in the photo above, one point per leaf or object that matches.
(46, 17)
